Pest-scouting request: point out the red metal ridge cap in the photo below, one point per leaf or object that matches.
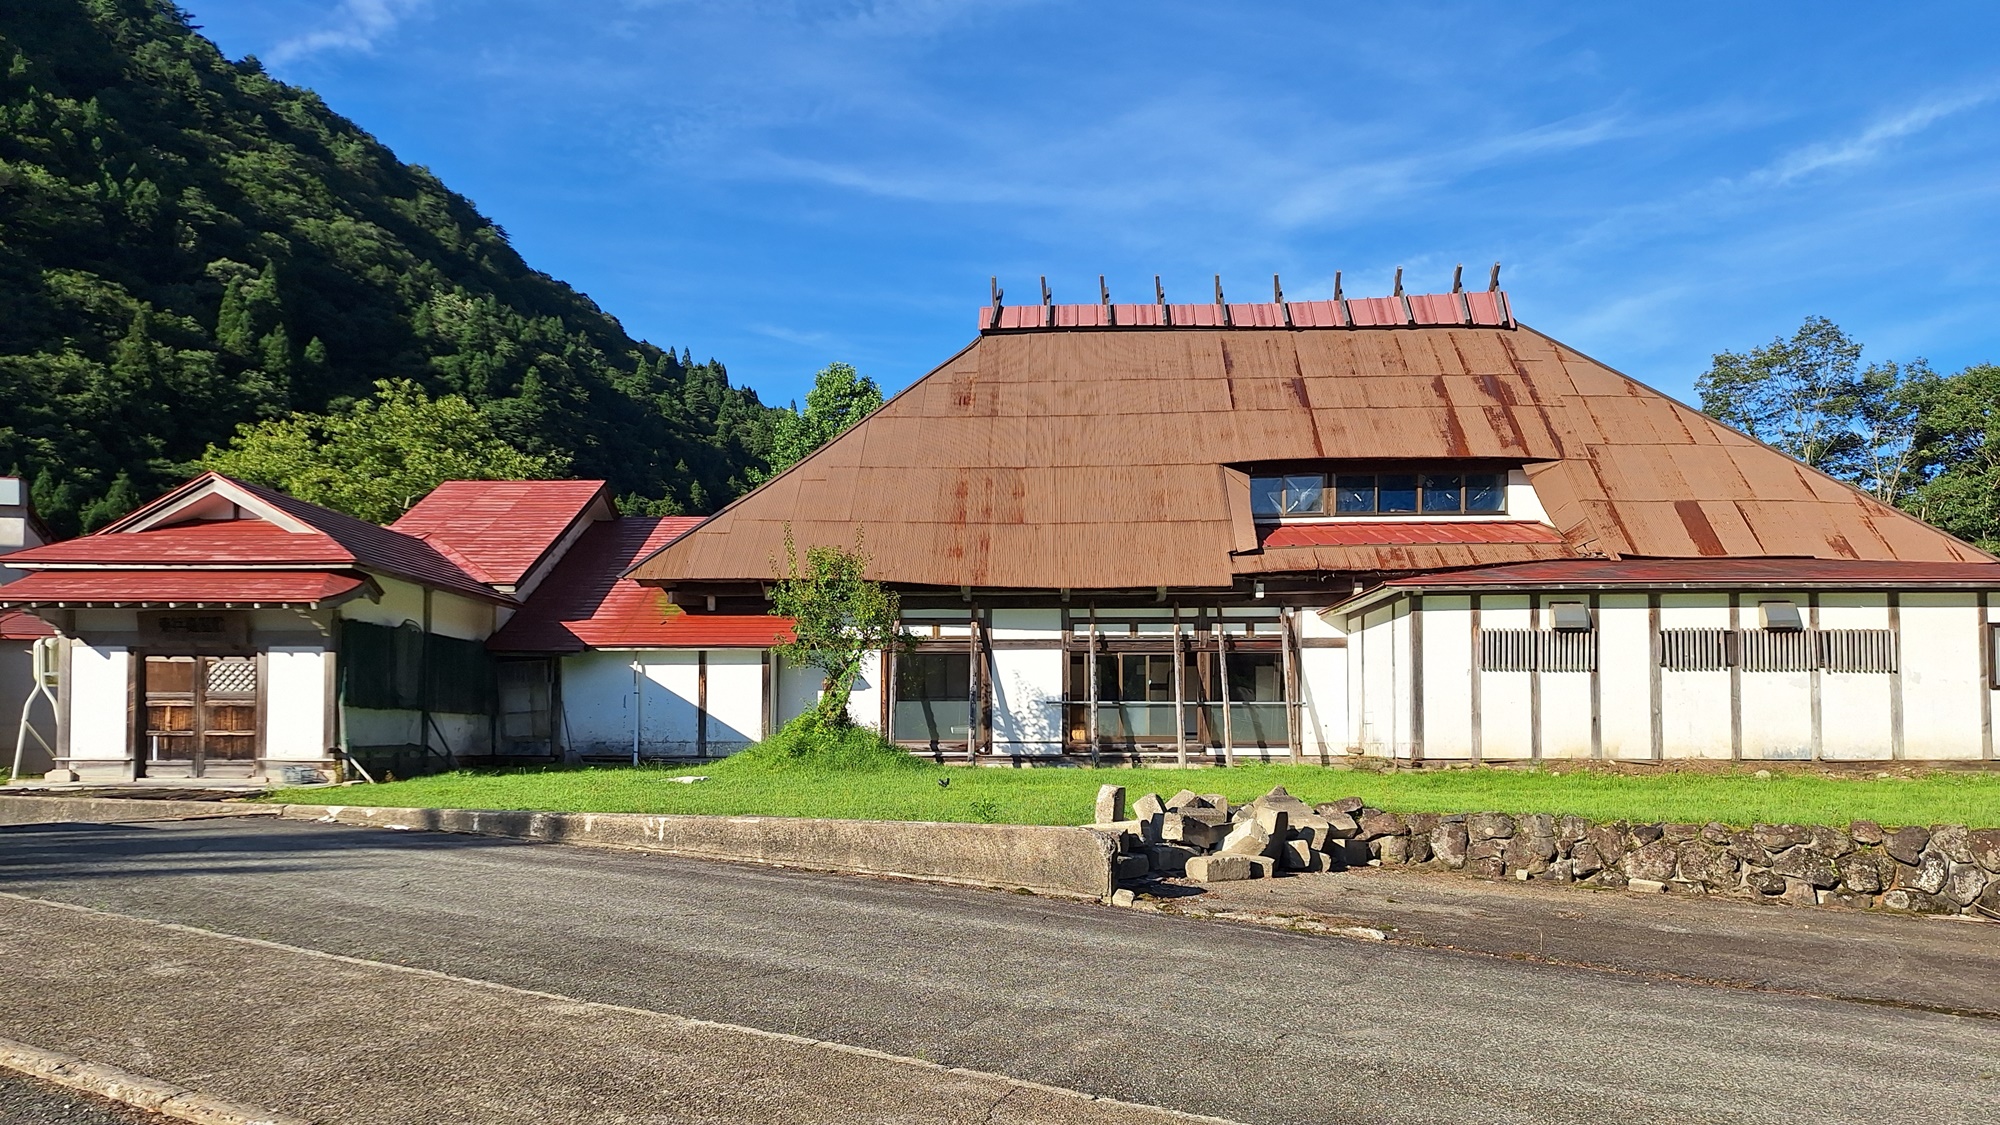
(1486, 309)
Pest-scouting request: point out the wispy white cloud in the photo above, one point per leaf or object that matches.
(1872, 141)
(354, 25)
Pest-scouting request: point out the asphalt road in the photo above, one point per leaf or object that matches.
(24, 1101)
(1247, 1023)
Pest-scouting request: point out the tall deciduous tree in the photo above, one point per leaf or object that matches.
(1957, 455)
(379, 456)
(840, 397)
(839, 616)
(1796, 394)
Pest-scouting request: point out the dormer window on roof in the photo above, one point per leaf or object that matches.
(1292, 495)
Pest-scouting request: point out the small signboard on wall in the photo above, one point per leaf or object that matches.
(194, 630)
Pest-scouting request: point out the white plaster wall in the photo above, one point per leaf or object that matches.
(462, 734)
(1026, 625)
(1323, 699)
(400, 601)
(670, 689)
(596, 702)
(1694, 706)
(1566, 715)
(366, 727)
(96, 688)
(1506, 717)
(864, 706)
(1942, 677)
(1854, 706)
(1027, 699)
(735, 699)
(1384, 718)
(295, 704)
(1447, 677)
(1777, 706)
(451, 615)
(1624, 673)
(797, 689)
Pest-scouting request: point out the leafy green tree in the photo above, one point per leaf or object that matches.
(380, 456)
(1809, 397)
(1957, 455)
(839, 616)
(840, 397)
(1797, 395)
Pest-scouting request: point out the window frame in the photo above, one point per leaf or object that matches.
(1279, 482)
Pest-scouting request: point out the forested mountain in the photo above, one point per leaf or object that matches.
(187, 244)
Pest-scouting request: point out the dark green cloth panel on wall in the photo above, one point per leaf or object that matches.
(382, 668)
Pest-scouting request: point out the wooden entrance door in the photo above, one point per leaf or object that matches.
(201, 716)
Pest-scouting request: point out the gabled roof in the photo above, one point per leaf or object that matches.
(501, 530)
(1059, 451)
(586, 603)
(217, 523)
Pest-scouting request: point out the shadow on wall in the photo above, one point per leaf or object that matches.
(668, 714)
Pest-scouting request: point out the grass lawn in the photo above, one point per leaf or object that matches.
(1064, 796)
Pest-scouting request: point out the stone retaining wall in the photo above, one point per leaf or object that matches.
(1065, 861)
(1943, 869)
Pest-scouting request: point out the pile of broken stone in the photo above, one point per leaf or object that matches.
(1941, 869)
(1202, 836)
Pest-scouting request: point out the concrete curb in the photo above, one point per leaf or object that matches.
(117, 810)
(1074, 862)
(134, 1089)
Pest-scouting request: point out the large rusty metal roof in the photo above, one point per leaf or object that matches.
(1087, 450)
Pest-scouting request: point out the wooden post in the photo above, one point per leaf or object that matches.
(1222, 671)
(701, 703)
(972, 686)
(1291, 659)
(1180, 696)
(1090, 674)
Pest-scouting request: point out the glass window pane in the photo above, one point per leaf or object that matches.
(1485, 492)
(933, 676)
(1267, 495)
(1303, 494)
(1107, 677)
(1397, 492)
(1442, 493)
(1354, 494)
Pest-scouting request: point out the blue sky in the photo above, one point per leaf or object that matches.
(782, 185)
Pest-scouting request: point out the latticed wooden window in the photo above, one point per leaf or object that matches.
(1529, 650)
(1857, 650)
(1769, 650)
(1694, 650)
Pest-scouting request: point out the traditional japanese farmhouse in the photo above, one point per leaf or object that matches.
(1408, 527)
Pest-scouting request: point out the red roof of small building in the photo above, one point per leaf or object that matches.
(179, 587)
(331, 540)
(20, 625)
(1368, 533)
(502, 529)
(587, 603)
